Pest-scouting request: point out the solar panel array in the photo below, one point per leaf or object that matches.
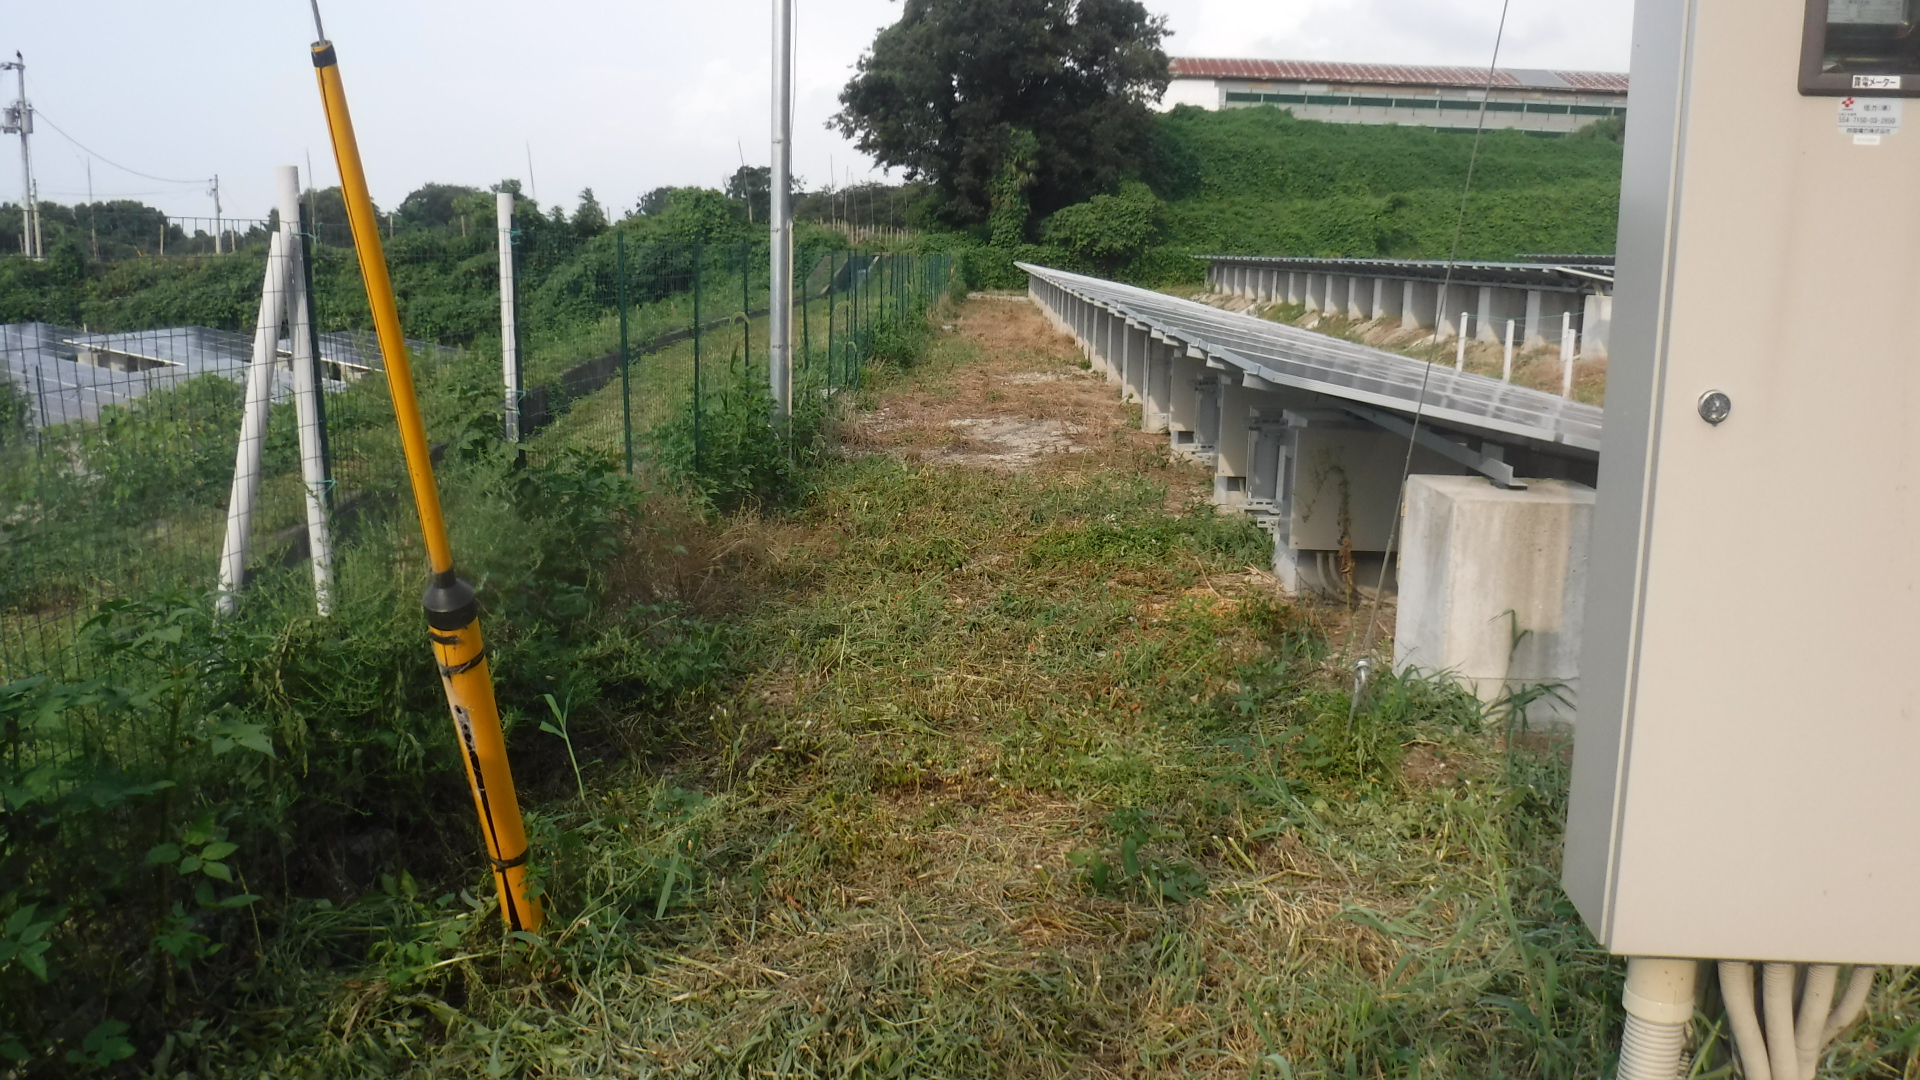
(1289, 356)
(1572, 273)
(69, 375)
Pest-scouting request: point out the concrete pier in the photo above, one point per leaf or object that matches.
(1496, 306)
(1320, 473)
(1419, 302)
(1230, 463)
(1360, 298)
(1545, 314)
(1596, 326)
(1155, 405)
(1533, 295)
(1389, 299)
(1493, 588)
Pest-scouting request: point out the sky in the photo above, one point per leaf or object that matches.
(621, 97)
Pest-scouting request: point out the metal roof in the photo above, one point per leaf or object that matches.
(1289, 356)
(1573, 273)
(1598, 82)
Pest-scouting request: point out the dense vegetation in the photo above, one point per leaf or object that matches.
(1240, 181)
(1259, 181)
(442, 251)
(184, 798)
(1002, 101)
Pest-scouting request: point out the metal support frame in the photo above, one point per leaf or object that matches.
(1481, 461)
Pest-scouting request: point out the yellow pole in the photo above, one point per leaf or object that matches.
(453, 612)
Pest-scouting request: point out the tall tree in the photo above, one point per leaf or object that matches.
(946, 92)
(753, 188)
(589, 220)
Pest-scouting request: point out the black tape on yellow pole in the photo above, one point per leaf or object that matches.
(453, 614)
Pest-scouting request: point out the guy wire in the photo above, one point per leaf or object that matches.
(1363, 666)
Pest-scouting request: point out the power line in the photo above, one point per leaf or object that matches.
(41, 112)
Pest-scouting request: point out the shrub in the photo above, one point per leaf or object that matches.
(1108, 231)
(728, 453)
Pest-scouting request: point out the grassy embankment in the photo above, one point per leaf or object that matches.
(1259, 182)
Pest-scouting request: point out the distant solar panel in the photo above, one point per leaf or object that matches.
(69, 375)
(1565, 273)
(1289, 356)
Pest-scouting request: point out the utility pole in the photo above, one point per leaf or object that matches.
(780, 281)
(217, 228)
(93, 214)
(19, 121)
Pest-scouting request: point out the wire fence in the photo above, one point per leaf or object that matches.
(125, 456)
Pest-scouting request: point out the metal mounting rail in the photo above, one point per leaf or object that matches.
(1287, 356)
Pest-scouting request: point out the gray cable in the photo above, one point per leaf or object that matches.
(1361, 674)
(41, 114)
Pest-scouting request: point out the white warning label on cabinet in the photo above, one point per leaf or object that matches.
(1868, 119)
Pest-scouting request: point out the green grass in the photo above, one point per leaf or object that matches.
(1257, 181)
(1016, 776)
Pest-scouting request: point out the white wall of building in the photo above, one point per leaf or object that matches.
(1205, 93)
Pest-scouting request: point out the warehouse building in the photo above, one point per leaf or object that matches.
(1447, 98)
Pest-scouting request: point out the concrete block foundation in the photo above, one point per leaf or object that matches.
(1493, 589)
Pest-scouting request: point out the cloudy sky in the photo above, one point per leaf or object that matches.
(620, 97)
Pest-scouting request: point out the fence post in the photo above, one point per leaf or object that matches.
(806, 338)
(626, 381)
(1566, 355)
(746, 308)
(509, 325)
(40, 431)
(698, 252)
(832, 297)
(253, 426)
(309, 409)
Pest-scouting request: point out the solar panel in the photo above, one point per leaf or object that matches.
(69, 375)
(1289, 356)
(1564, 273)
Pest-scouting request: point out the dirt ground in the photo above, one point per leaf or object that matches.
(1027, 400)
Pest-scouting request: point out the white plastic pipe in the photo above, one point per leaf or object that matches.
(1736, 990)
(1506, 366)
(780, 280)
(1816, 998)
(1852, 1004)
(1659, 1003)
(253, 427)
(509, 330)
(1460, 356)
(306, 395)
(1776, 982)
(1793, 1039)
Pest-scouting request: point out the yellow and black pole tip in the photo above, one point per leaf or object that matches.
(452, 609)
(453, 619)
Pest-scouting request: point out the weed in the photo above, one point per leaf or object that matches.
(1136, 863)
